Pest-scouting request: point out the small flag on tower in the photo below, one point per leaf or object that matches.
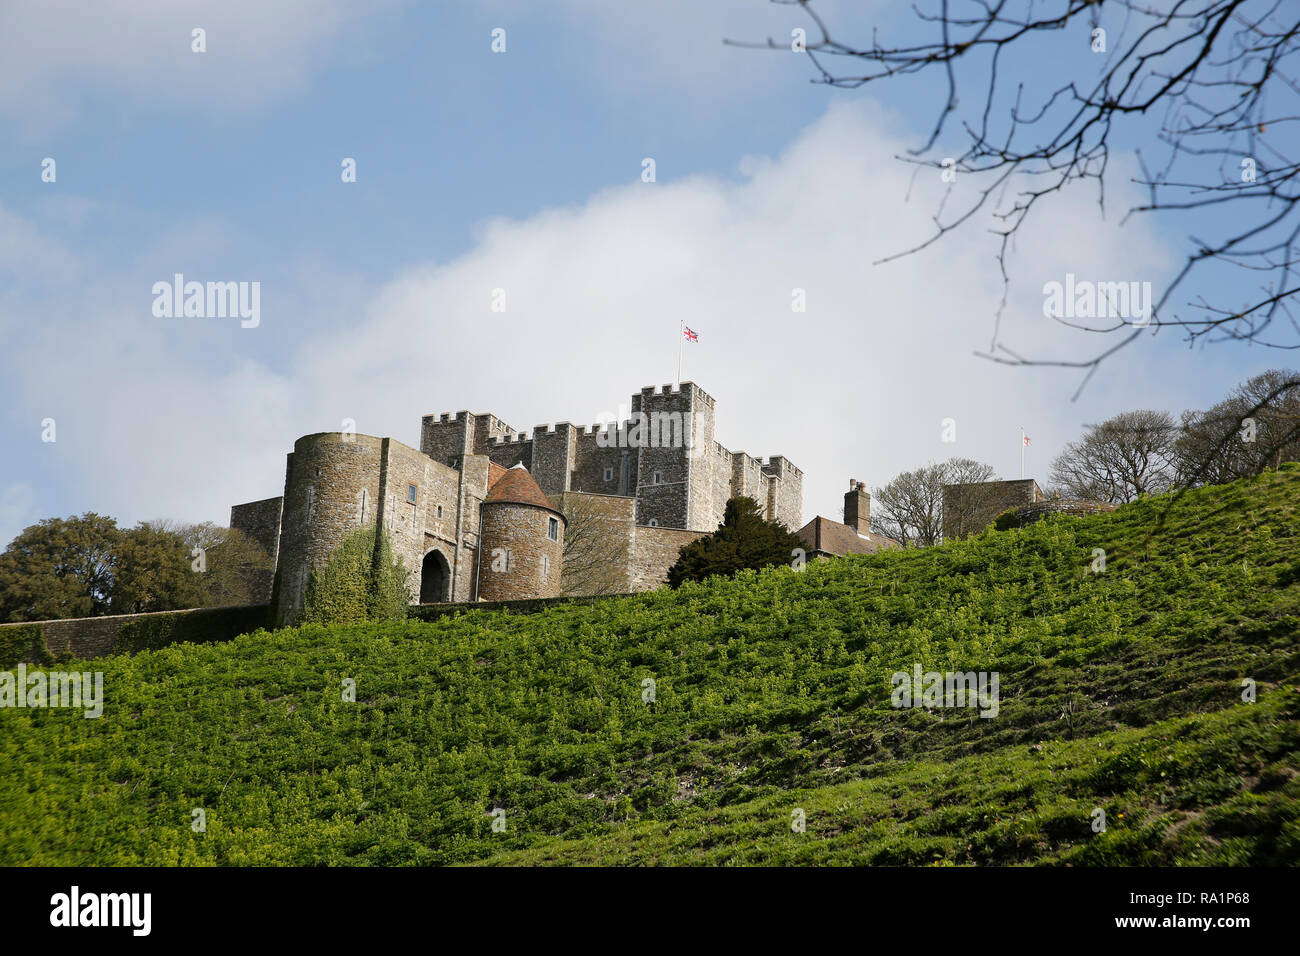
(690, 335)
(1026, 438)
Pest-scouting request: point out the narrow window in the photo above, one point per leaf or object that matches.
(653, 522)
(546, 567)
(439, 511)
(609, 474)
(410, 493)
(659, 478)
(553, 528)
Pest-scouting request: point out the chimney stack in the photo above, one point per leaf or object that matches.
(857, 507)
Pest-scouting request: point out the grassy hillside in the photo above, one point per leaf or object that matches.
(1119, 690)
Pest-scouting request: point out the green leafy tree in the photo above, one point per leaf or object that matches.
(153, 571)
(362, 581)
(743, 540)
(61, 567)
(236, 569)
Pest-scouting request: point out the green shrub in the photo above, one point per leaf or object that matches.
(1007, 520)
(202, 626)
(362, 581)
(744, 541)
(16, 642)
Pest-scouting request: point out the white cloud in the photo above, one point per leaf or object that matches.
(856, 386)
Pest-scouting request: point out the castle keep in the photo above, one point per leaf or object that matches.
(477, 513)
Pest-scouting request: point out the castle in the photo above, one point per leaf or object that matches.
(478, 512)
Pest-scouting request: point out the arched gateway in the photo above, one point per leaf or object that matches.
(435, 579)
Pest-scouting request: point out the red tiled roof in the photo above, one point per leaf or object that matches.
(495, 473)
(518, 487)
(835, 537)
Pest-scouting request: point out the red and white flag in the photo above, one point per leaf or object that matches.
(1026, 438)
(691, 336)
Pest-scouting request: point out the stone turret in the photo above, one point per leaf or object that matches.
(522, 541)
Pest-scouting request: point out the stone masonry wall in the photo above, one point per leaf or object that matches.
(410, 524)
(1039, 510)
(654, 551)
(785, 494)
(260, 521)
(331, 487)
(510, 452)
(553, 456)
(447, 437)
(609, 538)
(515, 543)
(747, 478)
(463, 559)
(970, 508)
(595, 450)
(685, 488)
(89, 637)
(723, 476)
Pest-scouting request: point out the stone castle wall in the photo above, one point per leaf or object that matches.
(694, 484)
(1077, 507)
(607, 565)
(785, 492)
(335, 483)
(84, 638)
(260, 521)
(654, 551)
(969, 508)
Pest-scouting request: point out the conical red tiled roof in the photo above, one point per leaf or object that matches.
(518, 487)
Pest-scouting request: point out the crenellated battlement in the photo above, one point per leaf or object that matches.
(444, 418)
(664, 450)
(780, 466)
(685, 388)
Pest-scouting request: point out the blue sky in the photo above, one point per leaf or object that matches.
(520, 171)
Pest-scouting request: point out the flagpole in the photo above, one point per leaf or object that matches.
(681, 334)
(1022, 451)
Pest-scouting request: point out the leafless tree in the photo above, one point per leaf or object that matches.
(910, 509)
(1219, 75)
(593, 551)
(1121, 459)
(1254, 428)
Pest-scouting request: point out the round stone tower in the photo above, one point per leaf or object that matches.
(522, 541)
(331, 486)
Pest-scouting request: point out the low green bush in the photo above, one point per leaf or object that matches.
(362, 581)
(202, 626)
(21, 641)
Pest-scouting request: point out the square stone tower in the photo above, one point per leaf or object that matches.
(673, 428)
